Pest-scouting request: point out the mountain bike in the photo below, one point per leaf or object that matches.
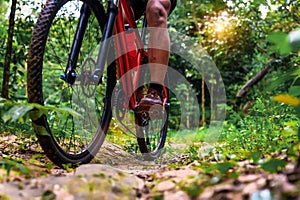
(87, 67)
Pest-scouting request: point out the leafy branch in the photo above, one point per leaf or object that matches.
(19, 110)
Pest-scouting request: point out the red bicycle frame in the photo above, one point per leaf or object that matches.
(130, 42)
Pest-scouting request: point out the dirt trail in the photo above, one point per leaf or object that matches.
(116, 174)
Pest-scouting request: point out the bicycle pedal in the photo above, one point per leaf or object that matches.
(156, 112)
(139, 111)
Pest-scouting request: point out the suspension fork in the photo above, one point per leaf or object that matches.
(105, 42)
(85, 12)
(70, 75)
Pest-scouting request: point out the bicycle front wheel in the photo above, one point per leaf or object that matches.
(74, 119)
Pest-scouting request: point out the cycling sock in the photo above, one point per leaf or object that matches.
(158, 87)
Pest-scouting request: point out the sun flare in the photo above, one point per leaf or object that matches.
(220, 25)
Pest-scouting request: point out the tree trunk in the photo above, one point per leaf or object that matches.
(203, 101)
(6, 72)
(253, 81)
(260, 75)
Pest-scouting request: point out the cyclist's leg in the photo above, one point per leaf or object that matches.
(152, 117)
(157, 12)
(159, 42)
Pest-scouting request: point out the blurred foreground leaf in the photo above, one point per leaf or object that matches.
(280, 42)
(287, 99)
(273, 165)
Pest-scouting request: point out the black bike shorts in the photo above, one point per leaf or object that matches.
(139, 7)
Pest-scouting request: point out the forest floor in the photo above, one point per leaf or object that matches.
(116, 174)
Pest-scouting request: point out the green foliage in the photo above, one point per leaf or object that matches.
(26, 15)
(17, 111)
(266, 129)
(281, 42)
(224, 167)
(269, 128)
(48, 195)
(235, 35)
(14, 116)
(193, 190)
(256, 156)
(238, 38)
(274, 165)
(9, 164)
(194, 185)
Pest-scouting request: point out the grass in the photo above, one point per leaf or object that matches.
(270, 129)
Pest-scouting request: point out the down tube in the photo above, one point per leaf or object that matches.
(124, 63)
